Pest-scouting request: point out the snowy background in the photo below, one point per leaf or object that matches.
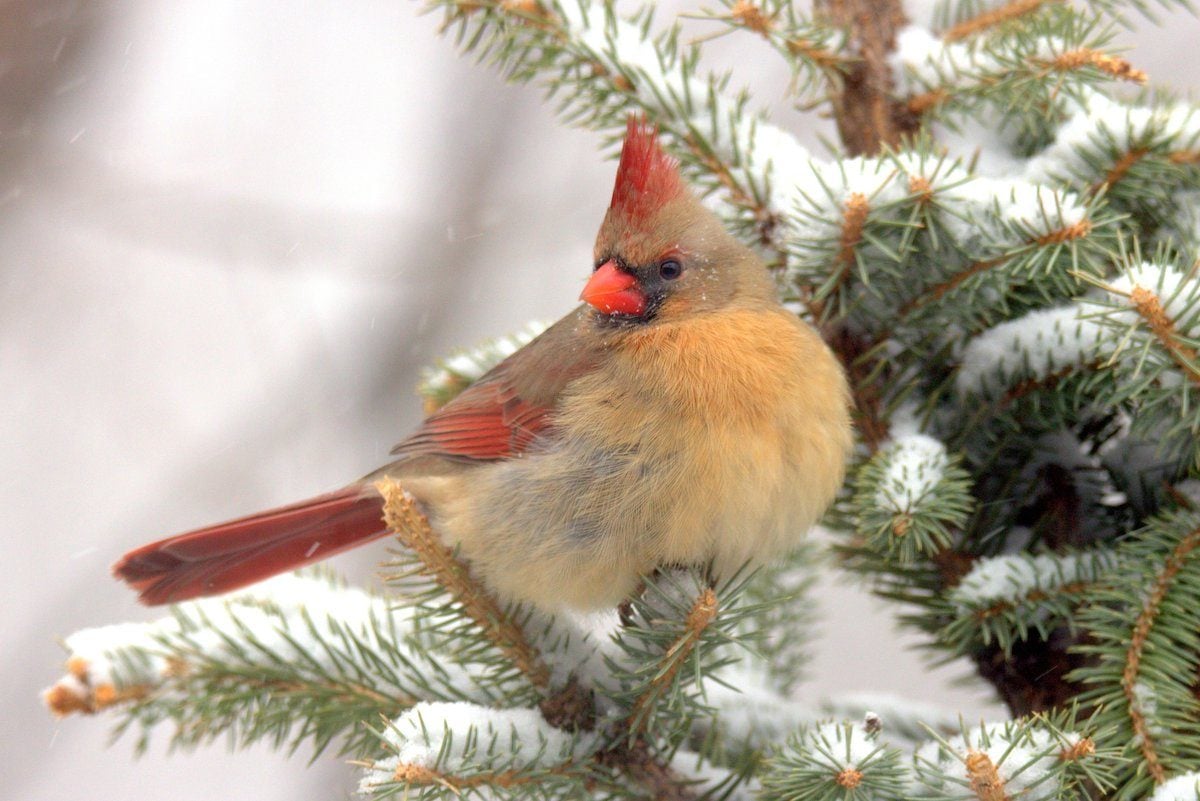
(230, 234)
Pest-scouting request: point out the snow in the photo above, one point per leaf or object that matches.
(1178, 293)
(1011, 579)
(1145, 703)
(918, 58)
(925, 13)
(1034, 346)
(466, 739)
(915, 465)
(1185, 787)
(923, 61)
(311, 622)
(576, 644)
(985, 140)
(1008, 212)
(1103, 129)
(1026, 760)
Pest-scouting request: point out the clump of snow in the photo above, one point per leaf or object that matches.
(1009, 212)
(272, 610)
(1184, 787)
(1012, 579)
(917, 57)
(312, 623)
(820, 204)
(1034, 346)
(1145, 703)
(915, 463)
(924, 61)
(575, 644)
(1178, 293)
(986, 140)
(926, 13)
(1027, 760)
(1103, 129)
(462, 739)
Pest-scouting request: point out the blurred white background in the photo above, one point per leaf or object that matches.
(231, 232)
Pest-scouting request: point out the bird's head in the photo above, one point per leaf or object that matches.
(660, 254)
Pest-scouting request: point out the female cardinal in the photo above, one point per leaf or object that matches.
(680, 416)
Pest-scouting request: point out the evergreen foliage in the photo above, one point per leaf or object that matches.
(1012, 286)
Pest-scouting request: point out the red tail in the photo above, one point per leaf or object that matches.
(220, 558)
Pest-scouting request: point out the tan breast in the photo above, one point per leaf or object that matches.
(746, 415)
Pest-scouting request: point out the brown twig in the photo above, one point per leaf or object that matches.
(1068, 233)
(1144, 736)
(411, 527)
(986, 782)
(423, 776)
(704, 611)
(1014, 9)
(1120, 167)
(1150, 309)
(1033, 596)
(1069, 61)
(848, 778)
(1081, 57)
(1082, 749)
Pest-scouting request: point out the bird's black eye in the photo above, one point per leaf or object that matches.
(670, 269)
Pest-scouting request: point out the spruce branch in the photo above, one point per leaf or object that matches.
(1145, 650)
(290, 661)
(1139, 155)
(909, 497)
(990, 18)
(1025, 73)
(1137, 645)
(816, 53)
(1037, 758)
(704, 610)
(613, 65)
(1005, 598)
(498, 625)
(837, 761)
(450, 376)
(464, 751)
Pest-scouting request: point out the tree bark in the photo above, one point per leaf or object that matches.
(868, 117)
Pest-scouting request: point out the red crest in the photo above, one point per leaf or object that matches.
(647, 178)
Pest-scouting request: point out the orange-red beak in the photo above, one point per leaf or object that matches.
(613, 291)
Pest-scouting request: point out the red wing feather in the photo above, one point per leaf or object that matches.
(513, 404)
(487, 422)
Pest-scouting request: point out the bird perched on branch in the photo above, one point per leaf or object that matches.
(679, 416)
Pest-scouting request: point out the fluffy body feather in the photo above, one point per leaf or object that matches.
(685, 419)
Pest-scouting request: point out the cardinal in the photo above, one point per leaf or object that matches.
(679, 416)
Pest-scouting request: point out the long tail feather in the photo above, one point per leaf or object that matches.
(220, 558)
